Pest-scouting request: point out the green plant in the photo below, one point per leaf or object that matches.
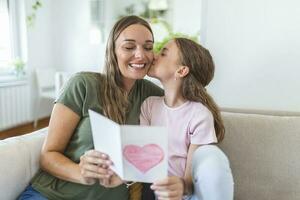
(159, 45)
(18, 65)
(31, 18)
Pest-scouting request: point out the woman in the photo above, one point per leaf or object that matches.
(70, 168)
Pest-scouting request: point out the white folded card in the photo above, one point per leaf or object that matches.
(138, 153)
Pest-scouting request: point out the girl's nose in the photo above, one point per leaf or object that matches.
(155, 57)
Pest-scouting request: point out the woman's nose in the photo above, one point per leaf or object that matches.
(139, 53)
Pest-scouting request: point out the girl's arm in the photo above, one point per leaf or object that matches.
(188, 182)
(175, 187)
(62, 124)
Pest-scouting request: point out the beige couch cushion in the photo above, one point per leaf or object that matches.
(19, 161)
(264, 152)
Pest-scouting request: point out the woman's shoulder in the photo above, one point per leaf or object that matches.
(87, 76)
(86, 79)
(148, 83)
(149, 88)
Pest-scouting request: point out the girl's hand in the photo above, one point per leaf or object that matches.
(170, 188)
(94, 165)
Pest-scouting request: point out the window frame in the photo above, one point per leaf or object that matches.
(16, 15)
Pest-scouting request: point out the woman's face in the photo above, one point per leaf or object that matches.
(134, 53)
(166, 63)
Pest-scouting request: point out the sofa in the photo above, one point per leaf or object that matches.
(263, 148)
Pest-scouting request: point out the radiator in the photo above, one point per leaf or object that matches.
(14, 104)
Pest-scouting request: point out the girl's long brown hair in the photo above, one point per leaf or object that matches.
(114, 97)
(201, 72)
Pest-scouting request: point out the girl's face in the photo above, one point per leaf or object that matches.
(166, 63)
(134, 53)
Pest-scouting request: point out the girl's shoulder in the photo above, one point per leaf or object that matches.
(199, 109)
(153, 100)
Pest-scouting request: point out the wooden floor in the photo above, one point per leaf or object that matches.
(23, 129)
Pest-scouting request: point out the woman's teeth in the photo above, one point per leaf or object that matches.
(137, 65)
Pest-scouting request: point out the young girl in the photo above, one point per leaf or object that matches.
(193, 119)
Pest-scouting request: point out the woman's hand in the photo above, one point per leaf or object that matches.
(94, 165)
(114, 181)
(170, 188)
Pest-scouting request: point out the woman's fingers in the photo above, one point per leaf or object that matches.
(94, 165)
(96, 171)
(95, 160)
(96, 157)
(95, 153)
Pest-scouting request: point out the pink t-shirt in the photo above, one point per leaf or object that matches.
(190, 123)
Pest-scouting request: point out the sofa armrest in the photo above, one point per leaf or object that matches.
(19, 158)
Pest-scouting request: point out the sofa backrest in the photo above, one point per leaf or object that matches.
(264, 151)
(19, 162)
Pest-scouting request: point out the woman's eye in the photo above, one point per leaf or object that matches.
(150, 48)
(128, 48)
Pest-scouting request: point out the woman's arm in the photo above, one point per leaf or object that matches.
(62, 124)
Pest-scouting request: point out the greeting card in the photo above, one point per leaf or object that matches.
(139, 153)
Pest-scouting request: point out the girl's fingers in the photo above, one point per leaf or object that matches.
(166, 193)
(165, 187)
(162, 182)
(168, 188)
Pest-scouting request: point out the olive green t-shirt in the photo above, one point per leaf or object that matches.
(81, 93)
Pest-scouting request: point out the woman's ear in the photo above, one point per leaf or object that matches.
(182, 71)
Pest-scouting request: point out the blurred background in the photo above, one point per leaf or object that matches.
(255, 45)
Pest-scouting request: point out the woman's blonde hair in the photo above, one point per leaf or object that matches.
(201, 72)
(114, 97)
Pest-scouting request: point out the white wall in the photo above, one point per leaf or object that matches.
(254, 43)
(72, 50)
(185, 16)
(60, 39)
(256, 47)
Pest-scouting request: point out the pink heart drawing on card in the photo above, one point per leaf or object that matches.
(143, 158)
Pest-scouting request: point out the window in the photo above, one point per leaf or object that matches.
(5, 40)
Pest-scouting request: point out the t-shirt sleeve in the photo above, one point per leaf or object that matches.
(145, 117)
(201, 130)
(73, 94)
